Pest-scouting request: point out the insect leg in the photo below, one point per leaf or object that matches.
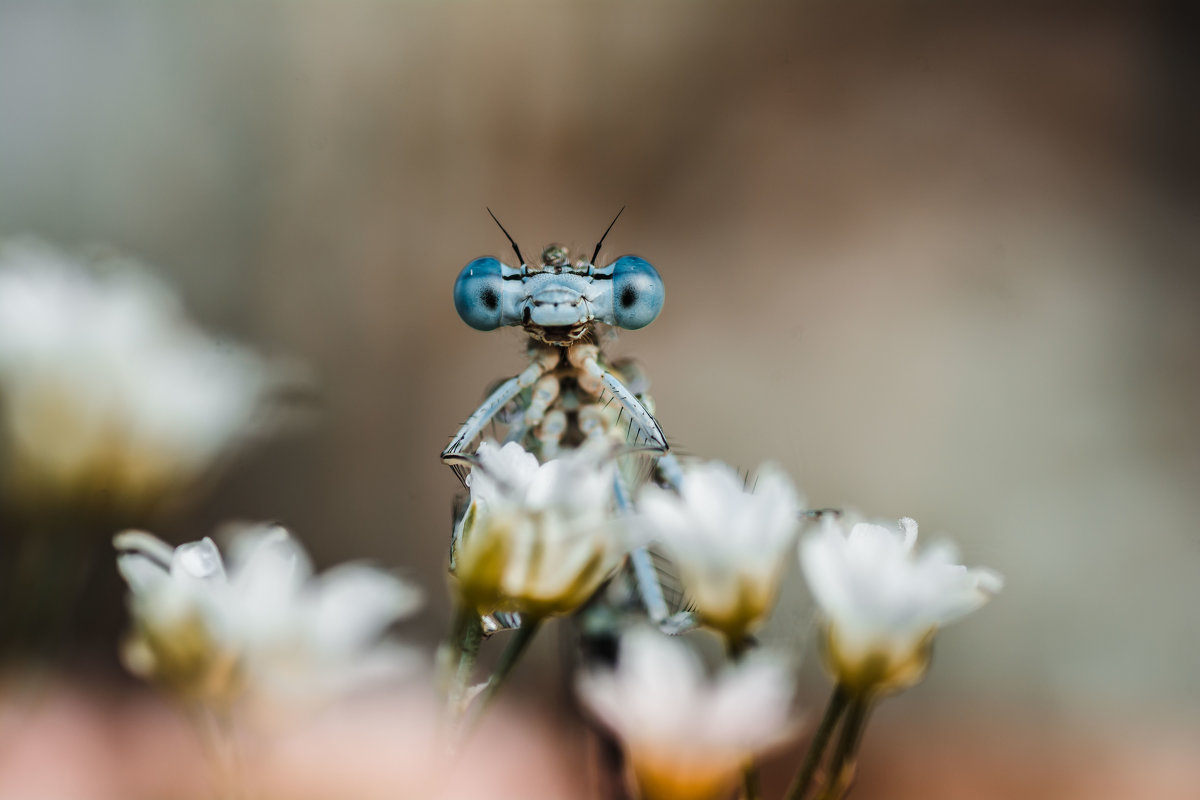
(668, 466)
(642, 418)
(545, 391)
(645, 576)
(453, 455)
(550, 432)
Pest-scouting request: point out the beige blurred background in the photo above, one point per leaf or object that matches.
(936, 258)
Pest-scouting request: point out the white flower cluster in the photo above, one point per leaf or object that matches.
(107, 387)
(261, 626)
(538, 538)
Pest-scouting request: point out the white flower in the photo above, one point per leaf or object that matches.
(264, 625)
(729, 542)
(107, 385)
(578, 485)
(536, 539)
(688, 736)
(883, 602)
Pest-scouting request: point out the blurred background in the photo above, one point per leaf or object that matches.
(936, 258)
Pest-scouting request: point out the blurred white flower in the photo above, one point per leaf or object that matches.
(730, 542)
(882, 602)
(537, 538)
(264, 625)
(687, 736)
(385, 747)
(107, 387)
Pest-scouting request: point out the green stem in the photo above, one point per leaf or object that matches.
(508, 659)
(736, 649)
(751, 785)
(466, 634)
(838, 702)
(842, 764)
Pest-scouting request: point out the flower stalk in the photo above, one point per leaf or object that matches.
(840, 775)
(460, 654)
(839, 702)
(517, 647)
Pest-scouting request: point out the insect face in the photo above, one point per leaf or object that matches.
(558, 302)
(555, 300)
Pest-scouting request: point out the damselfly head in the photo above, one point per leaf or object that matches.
(558, 301)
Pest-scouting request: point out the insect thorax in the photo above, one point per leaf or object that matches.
(568, 406)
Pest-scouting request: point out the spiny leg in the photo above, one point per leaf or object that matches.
(585, 358)
(646, 574)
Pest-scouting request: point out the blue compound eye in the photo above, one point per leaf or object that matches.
(477, 294)
(637, 293)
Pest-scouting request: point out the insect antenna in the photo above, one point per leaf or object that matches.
(511, 241)
(596, 252)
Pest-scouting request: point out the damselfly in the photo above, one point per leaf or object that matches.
(570, 392)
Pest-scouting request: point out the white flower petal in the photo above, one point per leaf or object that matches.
(198, 560)
(882, 597)
(551, 524)
(354, 604)
(659, 702)
(752, 703)
(725, 539)
(504, 473)
(142, 574)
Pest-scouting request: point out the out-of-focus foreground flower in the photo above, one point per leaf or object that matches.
(69, 744)
(538, 538)
(730, 542)
(108, 390)
(263, 624)
(387, 747)
(882, 602)
(688, 737)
